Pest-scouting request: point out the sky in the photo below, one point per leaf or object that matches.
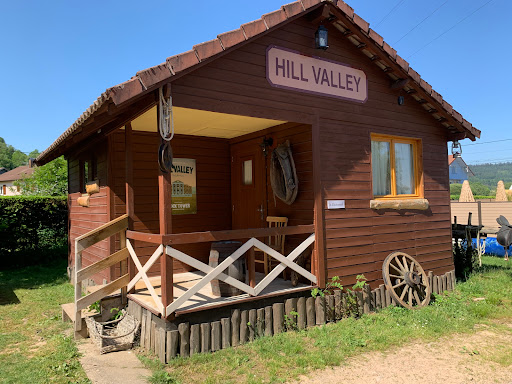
(58, 56)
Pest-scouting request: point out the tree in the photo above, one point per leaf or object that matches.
(479, 189)
(11, 157)
(34, 154)
(49, 180)
(455, 189)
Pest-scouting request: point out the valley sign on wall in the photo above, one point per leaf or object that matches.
(183, 180)
(292, 70)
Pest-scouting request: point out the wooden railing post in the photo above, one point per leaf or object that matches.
(251, 266)
(124, 265)
(78, 287)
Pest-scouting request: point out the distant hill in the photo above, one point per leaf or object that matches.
(490, 174)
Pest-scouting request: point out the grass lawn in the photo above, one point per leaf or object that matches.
(286, 356)
(34, 347)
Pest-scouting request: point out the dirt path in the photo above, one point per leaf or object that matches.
(484, 357)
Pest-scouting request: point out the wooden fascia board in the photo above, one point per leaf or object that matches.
(82, 139)
(397, 69)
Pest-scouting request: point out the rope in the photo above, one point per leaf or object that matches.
(166, 118)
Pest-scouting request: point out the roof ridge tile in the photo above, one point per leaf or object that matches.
(253, 28)
(232, 38)
(274, 18)
(182, 61)
(208, 49)
(293, 9)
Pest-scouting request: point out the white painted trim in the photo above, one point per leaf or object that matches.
(217, 272)
(149, 286)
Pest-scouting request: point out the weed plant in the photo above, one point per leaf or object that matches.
(286, 356)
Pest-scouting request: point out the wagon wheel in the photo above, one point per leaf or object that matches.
(406, 280)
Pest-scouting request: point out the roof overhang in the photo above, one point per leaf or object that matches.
(124, 102)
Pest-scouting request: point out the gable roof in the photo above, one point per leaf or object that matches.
(451, 159)
(342, 17)
(17, 173)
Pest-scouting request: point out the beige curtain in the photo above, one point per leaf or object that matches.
(404, 169)
(381, 168)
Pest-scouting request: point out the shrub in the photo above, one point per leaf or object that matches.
(455, 189)
(32, 229)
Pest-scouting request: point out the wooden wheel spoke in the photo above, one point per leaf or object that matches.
(418, 301)
(403, 294)
(395, 268)
(406, 266)
(399, 263)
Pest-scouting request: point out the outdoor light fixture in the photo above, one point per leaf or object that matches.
(456, 149)
(401, 100)
(321, 38)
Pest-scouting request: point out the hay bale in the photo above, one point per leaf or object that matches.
(466, 196)
(501, 195)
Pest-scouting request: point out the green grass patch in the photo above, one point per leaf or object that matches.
(34, 347)
(286, 356)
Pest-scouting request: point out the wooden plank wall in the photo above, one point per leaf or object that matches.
(85, 219)
(357, 238)
(301, 211)
(213, 189)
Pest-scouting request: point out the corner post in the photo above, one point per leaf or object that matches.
(319, 249)
(165, 218)
(130, 200)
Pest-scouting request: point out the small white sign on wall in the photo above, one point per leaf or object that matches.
(335, 204)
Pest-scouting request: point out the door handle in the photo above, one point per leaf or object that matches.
(260, 210)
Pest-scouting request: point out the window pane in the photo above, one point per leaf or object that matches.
(381, 168)
(404, 169)
(247, 172)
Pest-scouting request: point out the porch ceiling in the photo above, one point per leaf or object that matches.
(204, 123)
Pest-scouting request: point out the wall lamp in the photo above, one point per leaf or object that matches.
(321, 38)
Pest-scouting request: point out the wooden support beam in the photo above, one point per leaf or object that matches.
(130, 197)
(320, 269)
(165, 217)
(399, 83)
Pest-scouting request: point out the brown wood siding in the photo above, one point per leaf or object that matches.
(301, 211)
(85, 219)
(357, 238)
(213, 189)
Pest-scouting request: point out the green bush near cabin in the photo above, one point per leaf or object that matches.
(33, 229)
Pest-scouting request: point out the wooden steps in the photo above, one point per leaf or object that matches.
(68, 315)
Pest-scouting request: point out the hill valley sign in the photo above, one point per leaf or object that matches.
(292, 70)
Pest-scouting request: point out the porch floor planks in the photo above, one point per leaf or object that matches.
(205, 299)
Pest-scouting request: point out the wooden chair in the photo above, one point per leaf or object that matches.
(275, 242)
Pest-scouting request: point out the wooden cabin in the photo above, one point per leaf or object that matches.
(369, 142)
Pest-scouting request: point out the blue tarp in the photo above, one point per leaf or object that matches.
(492, 247)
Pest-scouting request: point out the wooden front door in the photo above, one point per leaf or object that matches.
(248, 184)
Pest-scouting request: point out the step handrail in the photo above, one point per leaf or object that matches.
(85, 241)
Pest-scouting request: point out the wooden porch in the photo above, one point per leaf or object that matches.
(205, 299)
(172, 294)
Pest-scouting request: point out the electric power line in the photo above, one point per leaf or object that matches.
(449, 29)
(503, 160)
(488, 142)
(421, 22)
(390, 12)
